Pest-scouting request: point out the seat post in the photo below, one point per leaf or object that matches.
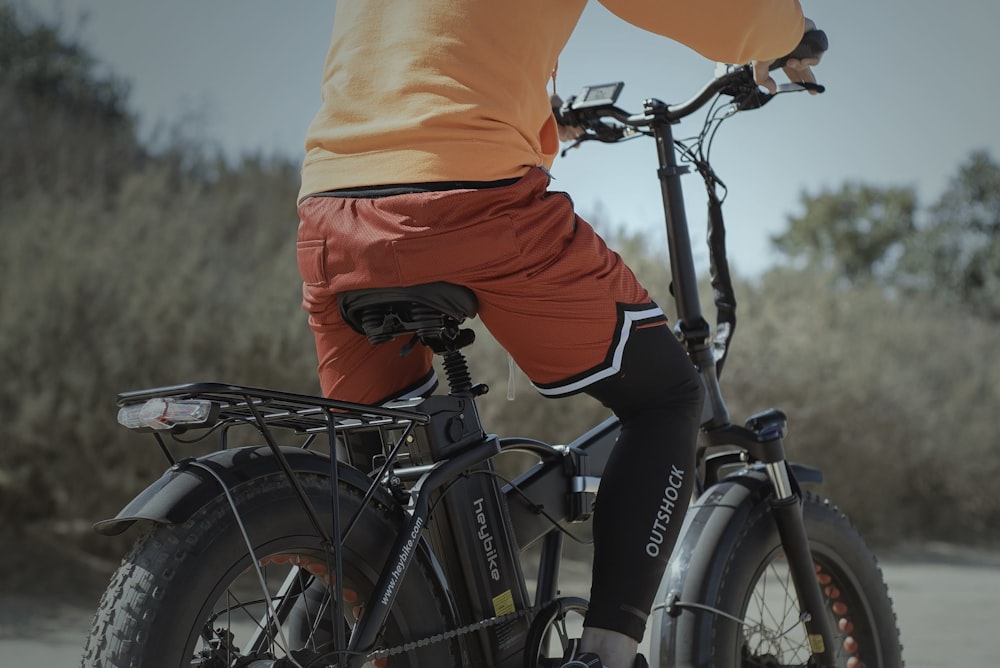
(448, 343)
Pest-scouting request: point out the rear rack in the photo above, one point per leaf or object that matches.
(265, 408)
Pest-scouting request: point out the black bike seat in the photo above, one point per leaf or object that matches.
(447, 299)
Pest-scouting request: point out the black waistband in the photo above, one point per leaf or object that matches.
(371, 192)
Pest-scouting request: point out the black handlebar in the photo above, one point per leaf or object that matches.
(737, 83)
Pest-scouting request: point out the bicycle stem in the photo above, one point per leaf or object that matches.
(692, 328)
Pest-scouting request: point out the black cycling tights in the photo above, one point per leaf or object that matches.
(648, 480)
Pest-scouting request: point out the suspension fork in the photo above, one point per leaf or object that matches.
(786, 508)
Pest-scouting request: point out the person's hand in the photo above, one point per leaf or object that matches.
(798, 70)
(566, 132)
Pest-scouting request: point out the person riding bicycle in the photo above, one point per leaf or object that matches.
(428, 161)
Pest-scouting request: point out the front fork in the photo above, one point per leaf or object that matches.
(763, 437)
(787, 510)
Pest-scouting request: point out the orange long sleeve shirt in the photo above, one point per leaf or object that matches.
(421, 91)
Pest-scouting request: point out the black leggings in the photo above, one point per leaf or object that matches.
(648, 480)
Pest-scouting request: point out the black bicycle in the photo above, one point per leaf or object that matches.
(385, 535)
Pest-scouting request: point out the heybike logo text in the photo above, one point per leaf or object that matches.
(670, 495)
(486, 539)
(397, 572)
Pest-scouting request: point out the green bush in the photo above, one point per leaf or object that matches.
(893, 401)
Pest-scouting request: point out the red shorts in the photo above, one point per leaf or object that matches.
(549, 289)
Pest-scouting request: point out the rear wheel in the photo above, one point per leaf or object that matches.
(190, 595)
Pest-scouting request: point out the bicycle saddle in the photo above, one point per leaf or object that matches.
(383, 313)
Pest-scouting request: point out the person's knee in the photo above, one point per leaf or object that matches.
(655, 374)
(688, 387)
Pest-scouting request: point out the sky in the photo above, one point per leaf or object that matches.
(910, 93)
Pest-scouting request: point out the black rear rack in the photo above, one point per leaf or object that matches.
(271, 408)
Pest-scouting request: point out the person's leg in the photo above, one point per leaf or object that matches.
(575, 319)
(645, 488)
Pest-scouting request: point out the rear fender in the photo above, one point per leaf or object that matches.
(186, 486)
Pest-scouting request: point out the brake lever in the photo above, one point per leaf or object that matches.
(802, 85)
(579, 140)
(752, 98)
(757, 98)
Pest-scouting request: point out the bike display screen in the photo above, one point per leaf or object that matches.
(598, 96)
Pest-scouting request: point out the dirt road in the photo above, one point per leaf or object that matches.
(947, 602)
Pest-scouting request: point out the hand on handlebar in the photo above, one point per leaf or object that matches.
(798, 65)
(567, 133)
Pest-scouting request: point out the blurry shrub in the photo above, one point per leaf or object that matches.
(893, 398)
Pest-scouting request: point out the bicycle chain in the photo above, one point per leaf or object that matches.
(448, 635)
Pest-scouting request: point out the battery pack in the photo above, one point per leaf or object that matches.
(476, 542)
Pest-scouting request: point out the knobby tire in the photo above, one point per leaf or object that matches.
(748, 579)
(176, 578)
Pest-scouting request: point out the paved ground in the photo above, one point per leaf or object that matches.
(947, 602)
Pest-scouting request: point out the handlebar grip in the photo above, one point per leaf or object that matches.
(814, 42)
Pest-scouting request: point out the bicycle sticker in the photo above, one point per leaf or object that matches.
(503, 603)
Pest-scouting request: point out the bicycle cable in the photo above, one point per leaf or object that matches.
(673, 605)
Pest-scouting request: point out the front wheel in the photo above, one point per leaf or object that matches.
(191, 595)
(745, 611)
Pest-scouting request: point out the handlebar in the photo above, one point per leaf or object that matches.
(737, 82)
(596, 103)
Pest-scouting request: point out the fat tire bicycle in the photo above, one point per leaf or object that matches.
(385, 535)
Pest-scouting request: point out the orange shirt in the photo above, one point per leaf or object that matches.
(450, 90)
